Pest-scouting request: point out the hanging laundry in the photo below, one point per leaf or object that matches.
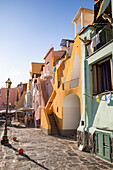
(53, 78)
(56, 76)
(98, 99)
(108, 98)
(54, 68)
(58, 65)
(95, 40)
(90, 50)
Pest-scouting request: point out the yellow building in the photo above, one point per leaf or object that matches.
(64, 109)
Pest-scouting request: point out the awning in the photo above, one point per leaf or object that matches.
(9, 111)
(103, 6)
(25, 109)
(2, 111)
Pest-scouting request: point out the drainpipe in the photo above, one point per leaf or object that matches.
(85, 106)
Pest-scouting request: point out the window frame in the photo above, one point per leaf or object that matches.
(97, 75)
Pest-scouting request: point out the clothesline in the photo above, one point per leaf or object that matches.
(93, 97)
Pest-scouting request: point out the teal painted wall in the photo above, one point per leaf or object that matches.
(97, 115)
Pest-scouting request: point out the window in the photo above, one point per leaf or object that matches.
(101, 73)
(103, 146)
(58, 84)
(37, 89)
(48, 68)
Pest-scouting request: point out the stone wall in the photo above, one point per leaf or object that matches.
(90, 141)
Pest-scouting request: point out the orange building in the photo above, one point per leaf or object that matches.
(64, 109)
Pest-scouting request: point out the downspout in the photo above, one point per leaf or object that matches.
(85, 106)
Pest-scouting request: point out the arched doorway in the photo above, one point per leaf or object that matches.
(71, 113)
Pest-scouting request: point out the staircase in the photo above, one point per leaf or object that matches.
(54, 128)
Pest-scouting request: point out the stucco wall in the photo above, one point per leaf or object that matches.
(97, 115)
(12, 96)
(66, 71)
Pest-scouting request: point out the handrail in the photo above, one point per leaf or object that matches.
(71, 84)
(50, 100)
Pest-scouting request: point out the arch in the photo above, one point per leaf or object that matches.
(76, 72)
(71, 112)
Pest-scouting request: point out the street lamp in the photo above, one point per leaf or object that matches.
(5, 140)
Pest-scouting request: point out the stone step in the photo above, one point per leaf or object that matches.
(54, 129)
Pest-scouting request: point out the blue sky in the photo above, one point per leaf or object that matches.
(27, 30)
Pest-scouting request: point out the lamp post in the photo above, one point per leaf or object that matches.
(5, 140)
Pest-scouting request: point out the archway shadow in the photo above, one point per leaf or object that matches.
(26, 156)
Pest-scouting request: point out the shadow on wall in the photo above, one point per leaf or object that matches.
(75, 72)
(94, 111)
(60, 72)
(58, 121)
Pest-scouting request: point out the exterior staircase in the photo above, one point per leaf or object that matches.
(48, 119)
(54, 128)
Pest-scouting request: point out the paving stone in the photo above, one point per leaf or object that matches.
(94, 168)
(45, 152)
(79, 168)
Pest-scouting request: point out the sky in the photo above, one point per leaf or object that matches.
(28, 28)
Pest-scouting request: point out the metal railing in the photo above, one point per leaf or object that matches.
(105, 36)
(71, 84)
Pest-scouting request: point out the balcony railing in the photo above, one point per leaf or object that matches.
(71, 84)
(105, 36)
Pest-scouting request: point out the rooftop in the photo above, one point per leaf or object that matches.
(88, 16)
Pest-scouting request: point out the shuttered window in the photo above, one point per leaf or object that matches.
(103, 146)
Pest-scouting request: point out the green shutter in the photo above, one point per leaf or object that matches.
(103, 146)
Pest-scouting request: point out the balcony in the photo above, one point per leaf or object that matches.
(104, 35)
(70, 84)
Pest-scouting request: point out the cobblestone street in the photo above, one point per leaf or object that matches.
(45, 152)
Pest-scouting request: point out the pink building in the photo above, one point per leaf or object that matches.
(43, 84)
(12, 98)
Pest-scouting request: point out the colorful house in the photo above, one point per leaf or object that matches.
(12, 98)
(21, 91)
(96, 131)
(35, 73)
(43, 84)
(64, 109)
